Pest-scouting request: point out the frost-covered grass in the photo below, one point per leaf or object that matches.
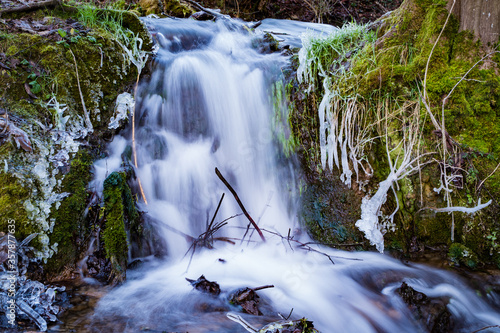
(342, 116)
(366, 105)
(324, 55)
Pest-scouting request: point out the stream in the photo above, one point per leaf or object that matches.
(209, 104)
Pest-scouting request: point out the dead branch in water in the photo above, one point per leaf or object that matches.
(263, 287)
(486, 327)
(289, 239)
(240, 203)
(206, 239)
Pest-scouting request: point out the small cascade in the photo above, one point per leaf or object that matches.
(82, 264)
(207, 105)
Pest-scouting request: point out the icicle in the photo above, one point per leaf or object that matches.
(370, 209)
(471, 210)
(124, 103)
(39, 321)
(322, 110)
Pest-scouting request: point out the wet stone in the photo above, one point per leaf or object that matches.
(248, 300)
(205, 286)
(430, 312)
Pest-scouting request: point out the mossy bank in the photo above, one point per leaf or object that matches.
(61, 75)
(377, 88)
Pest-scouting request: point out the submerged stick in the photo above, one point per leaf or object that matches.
(240, 203)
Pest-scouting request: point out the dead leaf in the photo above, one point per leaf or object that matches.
(28, 91)
(20, 138)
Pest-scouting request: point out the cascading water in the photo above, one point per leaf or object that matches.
(207, 105)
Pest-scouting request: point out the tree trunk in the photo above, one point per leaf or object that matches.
(482, 17)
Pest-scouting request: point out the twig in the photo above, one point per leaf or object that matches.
(380, 5)
(186, 236)
(486, 327)
(433, 119)
(206, 10)
(233, 192)
(216, 211)
(263, 287)
(134, 150)
(336, 244)
(87, 118)
(258, 220)
(279, 314)
(304, 245)
(491, 174)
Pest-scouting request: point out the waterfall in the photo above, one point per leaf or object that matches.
(208, 104)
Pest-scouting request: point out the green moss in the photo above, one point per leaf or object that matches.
(103, 74)
(12, 197)
(70, 229)
(176, 8)
(121, 215)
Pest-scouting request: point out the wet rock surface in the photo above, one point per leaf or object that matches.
(431, 312)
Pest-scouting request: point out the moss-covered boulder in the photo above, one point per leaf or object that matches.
(173, 8)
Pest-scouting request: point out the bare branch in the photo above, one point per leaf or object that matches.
(233, 192)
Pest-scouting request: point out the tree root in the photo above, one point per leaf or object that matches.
(31, 6)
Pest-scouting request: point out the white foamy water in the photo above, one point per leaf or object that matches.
(208, 104)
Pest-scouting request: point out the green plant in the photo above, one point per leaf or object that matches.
(460, 254)
(494, 246)
(108, 20)
(35, 86)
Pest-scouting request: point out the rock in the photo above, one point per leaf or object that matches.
(430, 312)
(205, 286)
(248, 300)
(150, 6)
(202, 16)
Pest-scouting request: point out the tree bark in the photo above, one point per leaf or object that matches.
(482, 17)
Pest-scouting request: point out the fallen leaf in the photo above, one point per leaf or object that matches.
(28, 91)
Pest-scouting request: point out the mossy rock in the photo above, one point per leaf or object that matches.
(177, 9)
(329, 212)
(72, 228)
(392, 69)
